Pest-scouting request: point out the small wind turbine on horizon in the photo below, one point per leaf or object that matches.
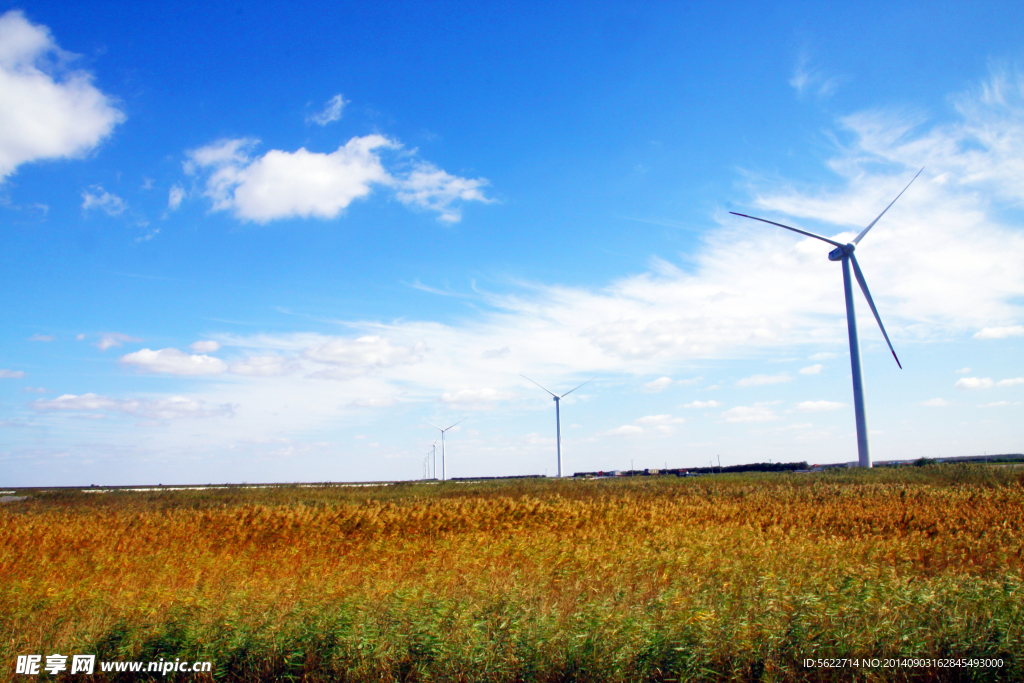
(844, 253)
(442, 445)
(558, 418)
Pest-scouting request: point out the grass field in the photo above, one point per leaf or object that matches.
(731, 577)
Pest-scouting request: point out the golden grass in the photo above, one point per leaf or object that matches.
(646, 579)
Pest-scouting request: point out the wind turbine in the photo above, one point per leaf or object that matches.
(844, 253)
(442, 445)
(558, 419)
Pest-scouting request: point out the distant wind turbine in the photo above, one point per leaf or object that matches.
(558, 419)
(442, 444)
(844, 253)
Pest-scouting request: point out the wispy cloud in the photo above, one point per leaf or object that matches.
(330, 113)
(114, 339)
(808, 79)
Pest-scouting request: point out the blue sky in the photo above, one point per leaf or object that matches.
(245, 245)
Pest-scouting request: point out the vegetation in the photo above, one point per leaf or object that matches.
(730, 577)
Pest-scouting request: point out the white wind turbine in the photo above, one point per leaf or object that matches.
(558, 419)
(844, 253)
(442, 444)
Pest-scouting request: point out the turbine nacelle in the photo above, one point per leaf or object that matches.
(839, 253)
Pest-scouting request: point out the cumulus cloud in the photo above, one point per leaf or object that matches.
(812, 369)
(974, 383)
(760, 380)
(174, 362)
(157, 409)
(330, 113)
(658, 385)
(11, 374)
(703, 404)
(114, 339)
(1010, 382)
(98, 198)
(749, 414)
(46, 112)
(655, 420)
(263, 366)
(816, 406)
(962, 371)
(205, 346)
(307, 184)
(935, 403)
(624, 430)
(42, 337)
(1000, 332)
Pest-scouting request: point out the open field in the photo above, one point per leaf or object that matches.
(733, 577)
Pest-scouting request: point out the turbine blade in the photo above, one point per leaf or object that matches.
(434, 426)
(867, 295)
(574, 389)
(525, 377)
(802, 232)
(459, 422)
(863, 232)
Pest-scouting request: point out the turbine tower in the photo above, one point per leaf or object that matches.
(844, 253)
(558, 419)
(442, 445)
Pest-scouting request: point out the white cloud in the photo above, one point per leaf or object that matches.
(11, 374)
(703, 404)
(471, 396)
(330, 113)
(174, 197)
(760, 380)
(658, 385)
(496, 353)
(1000, 332)
(974, 383)
(935, 403)
(806, 78)
(45, 113)
(157, 409)
(812, 369)
(205, 346)
(34, 390)
(654, 420)
(361, 355)
(380, 402)
(815, 406)
(98, 198)
(624, 430)
(113, 339)
(996, 404)
(174, 362)
(431, 188)
(749, 414)
(823, 356)
(962, 371)
(1010, 382)
(263, 366)
(42, 337)
(308, 184)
